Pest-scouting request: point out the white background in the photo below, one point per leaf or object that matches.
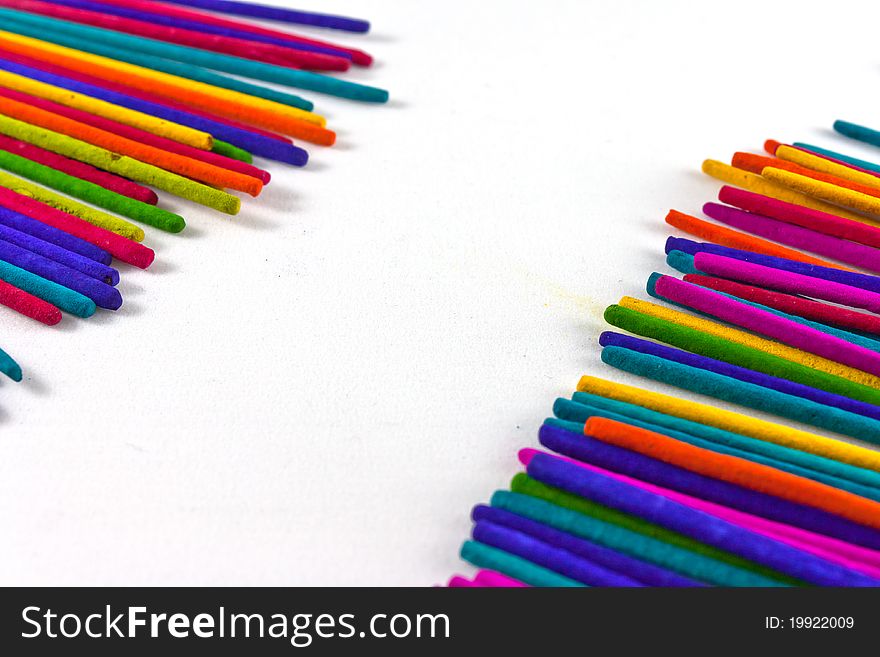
(317, 391)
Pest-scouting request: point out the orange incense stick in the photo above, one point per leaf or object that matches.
(738, 471)
(737, 240)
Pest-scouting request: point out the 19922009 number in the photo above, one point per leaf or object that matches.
(821, 622)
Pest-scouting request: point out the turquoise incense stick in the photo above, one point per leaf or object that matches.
(9, 367)
(862, 164)
(681, 261)
(613, 339)
(640, 546)
(486, 556)
(58, 295)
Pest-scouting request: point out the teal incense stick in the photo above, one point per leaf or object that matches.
(53, 29)
(700, 342)
(673, 556)
(9, 367)
(742, 393)
(58, 295)
(486, 556)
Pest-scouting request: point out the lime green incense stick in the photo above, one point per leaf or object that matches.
(121, 165)
(92, 193)
(228, 150)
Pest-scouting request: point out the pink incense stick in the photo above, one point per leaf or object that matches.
(790, 213)
(118, 246)
(459, 582)
(805, 239)
(263, 52)
(785, 281)
(768, 324)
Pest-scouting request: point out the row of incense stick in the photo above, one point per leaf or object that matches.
(777, 310)
(106, 104)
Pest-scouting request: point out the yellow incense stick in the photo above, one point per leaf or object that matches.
(755, 183)
(156, 126)
(736, 422)
(68, 205)
(824, 165)
(836, 194)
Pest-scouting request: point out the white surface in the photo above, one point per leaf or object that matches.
(317, 391)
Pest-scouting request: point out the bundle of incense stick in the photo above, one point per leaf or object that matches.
(776, 311)
(107, 105)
